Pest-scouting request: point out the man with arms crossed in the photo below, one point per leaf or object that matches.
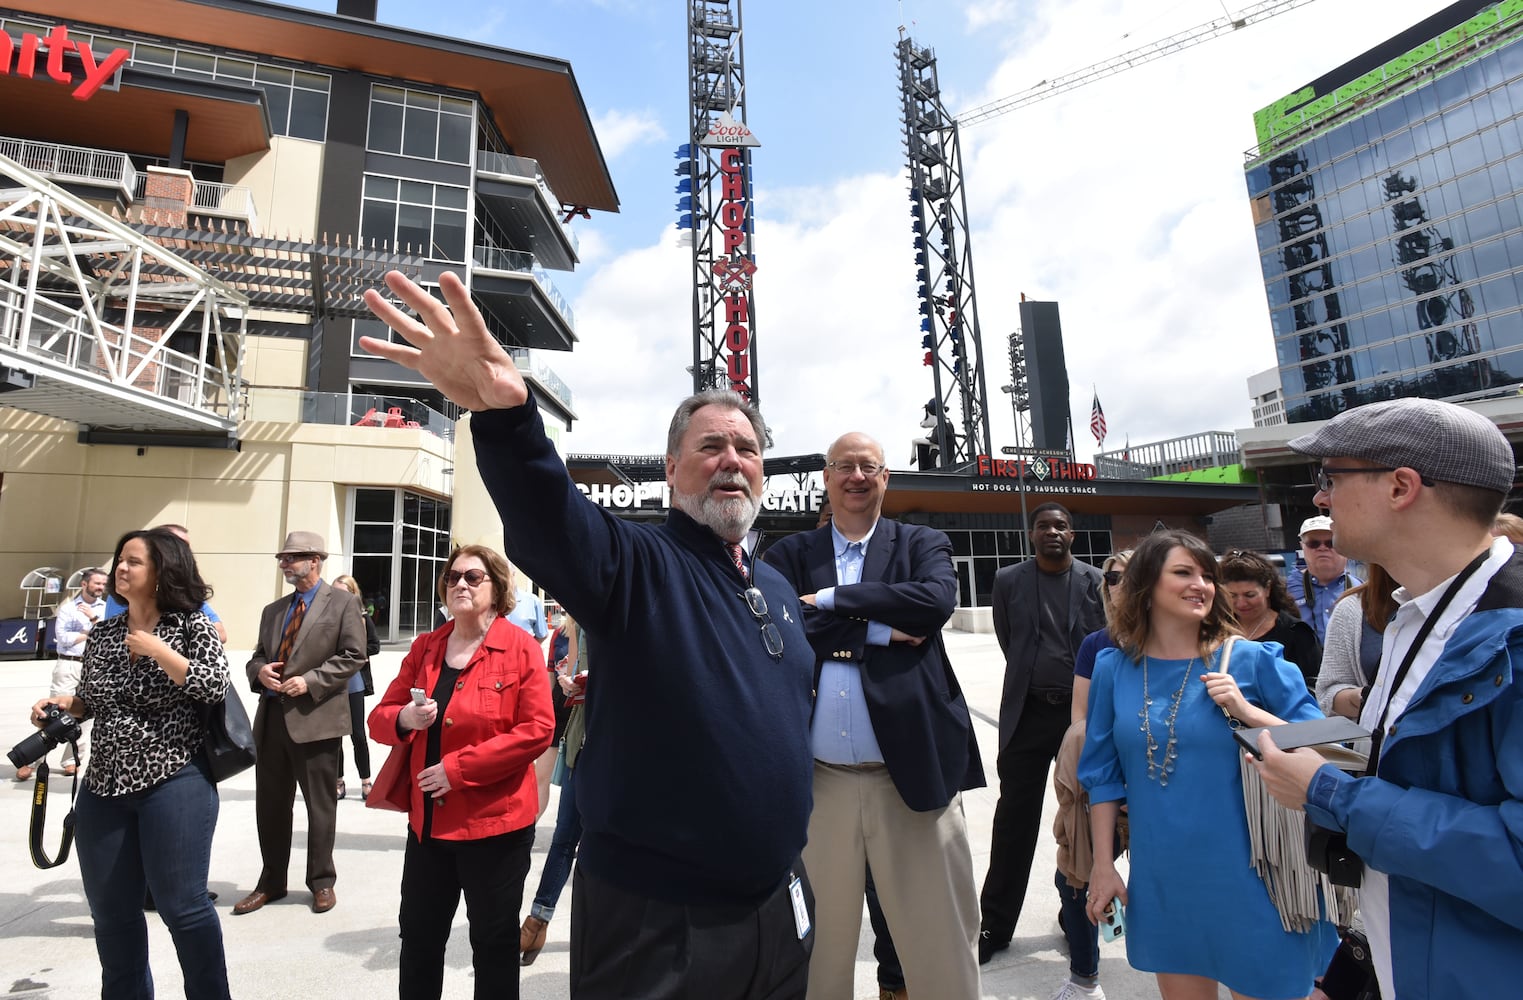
(1414, 485)
(892, 738)
(690, 886)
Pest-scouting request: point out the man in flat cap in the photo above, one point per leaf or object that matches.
(309, 644)
(1437, 818)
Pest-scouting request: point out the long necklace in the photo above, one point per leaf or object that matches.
(1156, 771)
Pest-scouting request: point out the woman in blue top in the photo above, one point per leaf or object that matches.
(1197, 914)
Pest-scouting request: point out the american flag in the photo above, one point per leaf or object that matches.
(1097, 422)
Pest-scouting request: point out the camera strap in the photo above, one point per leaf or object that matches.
(1378, 735)
(40, 814)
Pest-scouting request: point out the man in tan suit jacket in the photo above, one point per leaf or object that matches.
(301, 668)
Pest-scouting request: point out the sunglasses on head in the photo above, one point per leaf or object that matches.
(472, 577)
(1112, 577)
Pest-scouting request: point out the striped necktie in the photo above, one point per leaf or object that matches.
(737, 558)
(293, 626)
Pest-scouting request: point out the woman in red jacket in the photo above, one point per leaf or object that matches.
(482, 716)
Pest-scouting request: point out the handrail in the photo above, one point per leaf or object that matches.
(76, 163)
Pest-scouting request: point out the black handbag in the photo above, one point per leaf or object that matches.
(229, 744)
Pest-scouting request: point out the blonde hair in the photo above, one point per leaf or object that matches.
(349, 583)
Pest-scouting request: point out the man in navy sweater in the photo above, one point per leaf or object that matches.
(694, 781)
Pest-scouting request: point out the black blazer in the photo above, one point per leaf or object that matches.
(1016, 619)
(916, 706)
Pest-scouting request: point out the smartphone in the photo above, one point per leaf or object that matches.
(419, 696)
(1113, 924)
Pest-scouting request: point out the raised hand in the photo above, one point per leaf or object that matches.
(450, 347)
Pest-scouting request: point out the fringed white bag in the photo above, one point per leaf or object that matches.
(1277, 847)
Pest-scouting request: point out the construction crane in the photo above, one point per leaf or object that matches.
(956, 418)
(1129, 60)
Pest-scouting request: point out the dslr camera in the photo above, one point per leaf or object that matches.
(58, 726)
(1327, 851)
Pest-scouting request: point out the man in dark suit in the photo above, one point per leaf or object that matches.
(309, 645)
(1043, 609)
(892, 739)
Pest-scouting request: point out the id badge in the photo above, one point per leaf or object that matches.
(800, 911)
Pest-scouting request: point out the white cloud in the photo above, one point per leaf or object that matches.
(618, 131)
(1124, 201)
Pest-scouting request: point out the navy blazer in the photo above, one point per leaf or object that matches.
(916, 706)
(1016, 621)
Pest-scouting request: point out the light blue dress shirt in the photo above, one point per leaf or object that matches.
(841, 732)
(529, 614)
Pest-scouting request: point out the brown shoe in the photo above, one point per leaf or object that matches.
(531, 939)
(255, 900)
(323, 900)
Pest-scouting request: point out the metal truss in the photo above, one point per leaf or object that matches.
(957, 414)
(724, 307)
(102, 326)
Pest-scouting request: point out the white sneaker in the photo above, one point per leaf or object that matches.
(1071, 990)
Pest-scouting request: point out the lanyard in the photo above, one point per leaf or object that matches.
(1431, 620)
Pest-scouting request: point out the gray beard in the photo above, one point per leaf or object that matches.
(729, 519)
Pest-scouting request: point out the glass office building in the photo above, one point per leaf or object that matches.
(1386, 200)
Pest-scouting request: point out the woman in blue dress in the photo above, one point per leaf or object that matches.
(1158, 740)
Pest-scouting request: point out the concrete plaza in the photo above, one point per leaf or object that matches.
(285, 950)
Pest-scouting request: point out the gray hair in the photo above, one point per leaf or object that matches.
(725, 399)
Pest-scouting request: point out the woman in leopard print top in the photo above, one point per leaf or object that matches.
(148, 808)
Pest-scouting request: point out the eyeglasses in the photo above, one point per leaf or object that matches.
(291, 557)
(771, 637)
(1112, 577)
(868, 469)
(472, 577)
(1317, 543)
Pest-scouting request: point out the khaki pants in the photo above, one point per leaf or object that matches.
(66, 681)
(923, 868)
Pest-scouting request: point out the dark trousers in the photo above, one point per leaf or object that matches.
(282, 766)
(490, 873)
(1083, 936)
(358, 737)
(628, 947)
(890, 972)
(1024, 764)
(161, 839)
(562, 853)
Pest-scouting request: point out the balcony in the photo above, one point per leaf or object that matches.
(549, 386)
(518, 292)
(77, 168)
(516, 195)
(225, 201)
(339, 409)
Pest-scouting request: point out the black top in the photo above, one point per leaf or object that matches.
(1301, 646)
(443, 690)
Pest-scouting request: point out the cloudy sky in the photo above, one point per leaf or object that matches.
(1123, 201)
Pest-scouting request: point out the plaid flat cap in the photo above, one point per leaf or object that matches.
(1444, 442)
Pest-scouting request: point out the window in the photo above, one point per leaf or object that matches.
(423, 125)
(400, 541)
(430, 218)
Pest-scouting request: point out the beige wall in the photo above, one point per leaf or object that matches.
(65, 504)
(293, 167)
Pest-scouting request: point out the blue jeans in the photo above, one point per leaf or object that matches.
(1083, 936)
(161, 839)
(568, 833)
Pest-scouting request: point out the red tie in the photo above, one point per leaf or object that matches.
(293, 626)
(737, 558)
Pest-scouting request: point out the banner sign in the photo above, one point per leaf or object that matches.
(80, 71)
(622, 496)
